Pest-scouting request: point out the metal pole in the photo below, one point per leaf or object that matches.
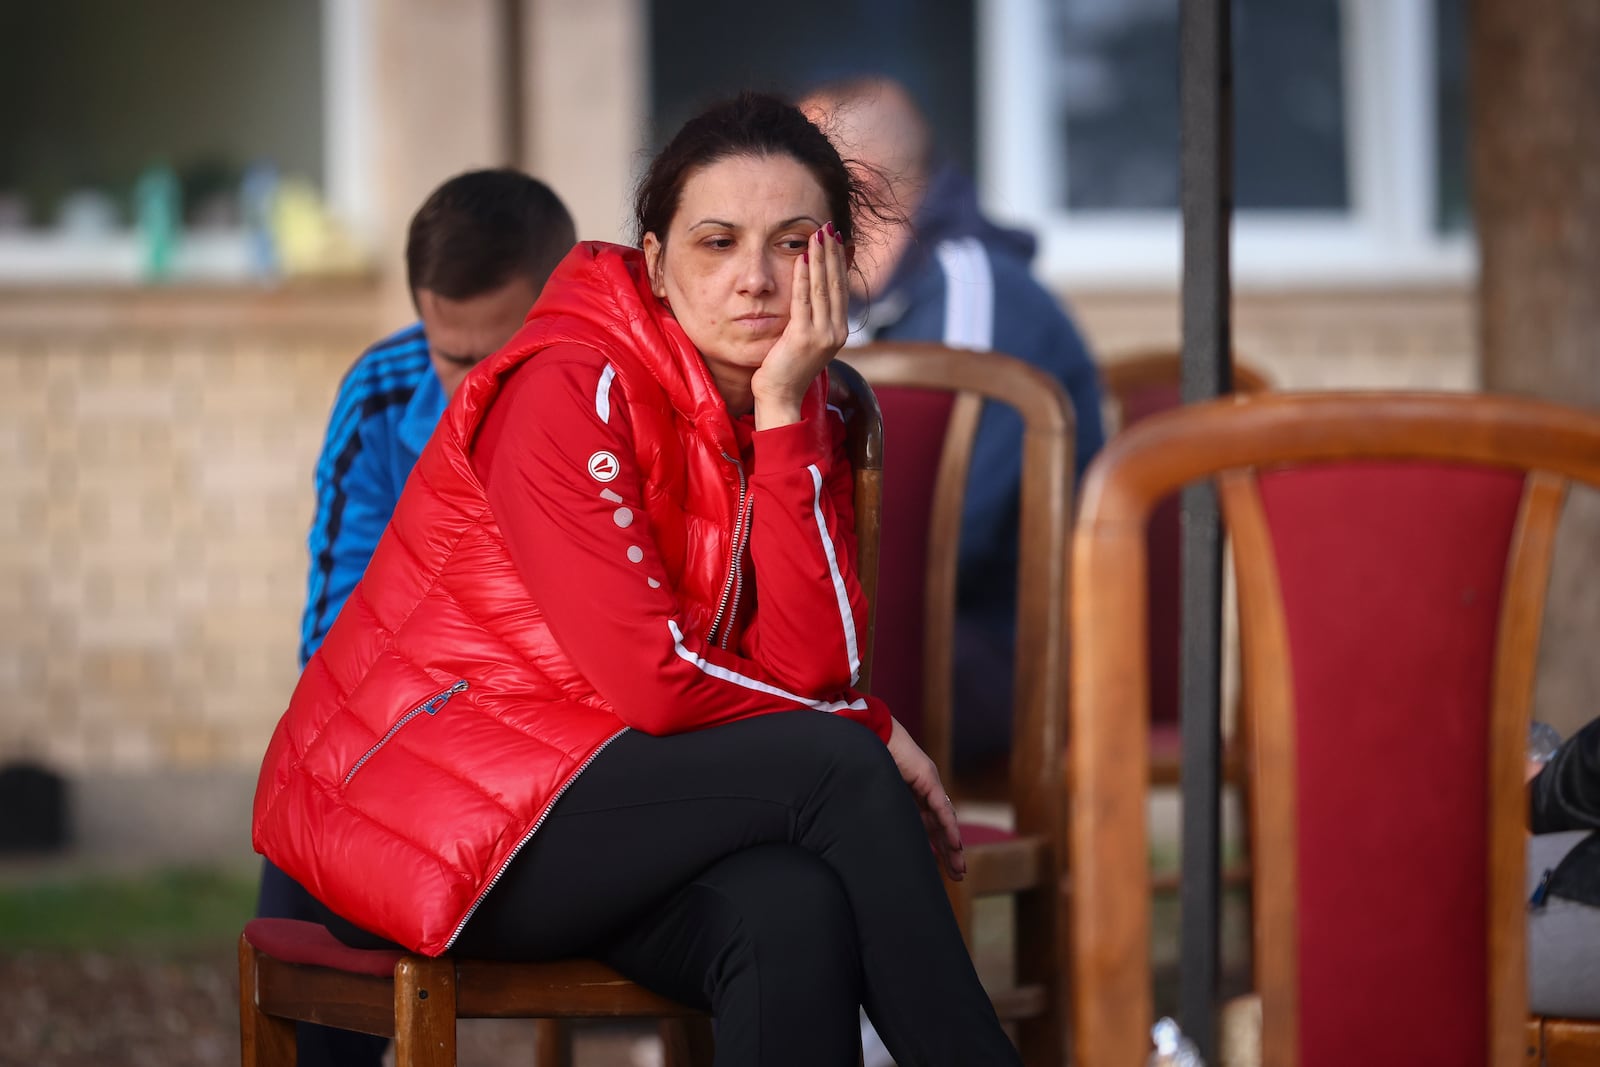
(1207, 195)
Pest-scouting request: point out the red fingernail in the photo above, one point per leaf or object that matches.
(837, 236)
(805, 257)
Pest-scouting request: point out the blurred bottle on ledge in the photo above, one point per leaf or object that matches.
(308, 240)
(158, 219)
(258, 194)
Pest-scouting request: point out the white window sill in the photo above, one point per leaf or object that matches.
(1109, 253)
(34, 258)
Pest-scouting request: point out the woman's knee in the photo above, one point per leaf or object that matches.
(847, 748)
(785, 905)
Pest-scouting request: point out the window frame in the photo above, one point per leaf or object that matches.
(48, 257)
(1388, 236)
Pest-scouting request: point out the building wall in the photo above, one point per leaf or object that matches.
(153, 514)
(1307, 339)
(153, 519)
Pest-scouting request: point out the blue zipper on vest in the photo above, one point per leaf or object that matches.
(731, 587)
(431, 706)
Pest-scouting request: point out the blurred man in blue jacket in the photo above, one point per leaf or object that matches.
(946, 273)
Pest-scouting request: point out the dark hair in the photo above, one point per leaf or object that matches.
(480, 229)
(750, 124)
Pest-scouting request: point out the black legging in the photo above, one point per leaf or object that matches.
(775, 872)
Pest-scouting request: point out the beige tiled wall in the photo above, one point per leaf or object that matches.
(157, 487)
(1416, 339)
(152, 516)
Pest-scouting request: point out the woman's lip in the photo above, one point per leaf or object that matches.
(755, 318)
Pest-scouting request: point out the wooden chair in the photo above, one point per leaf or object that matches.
(931, 398)
(1392, 552)
(291, 970)
(1136, 387)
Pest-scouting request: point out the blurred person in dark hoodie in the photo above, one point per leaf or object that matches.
(1564, 880)
(944, 272)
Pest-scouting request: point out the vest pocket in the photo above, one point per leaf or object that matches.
(430, 706)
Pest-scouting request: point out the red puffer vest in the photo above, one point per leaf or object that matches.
(395, 815)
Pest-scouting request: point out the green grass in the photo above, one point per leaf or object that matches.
(169, 910)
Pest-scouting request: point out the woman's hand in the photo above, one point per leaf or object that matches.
(819, 322)
(938, 813)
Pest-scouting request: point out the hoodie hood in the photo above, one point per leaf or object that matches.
(950, 210)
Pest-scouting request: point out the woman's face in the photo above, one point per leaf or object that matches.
(726, 266)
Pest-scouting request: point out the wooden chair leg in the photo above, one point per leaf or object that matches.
(264, 1040)
(552, 1043)
(424, 1012)
(687, 1042)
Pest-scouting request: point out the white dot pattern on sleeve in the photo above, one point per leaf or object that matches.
(635, 554)
(623, 517)
(653, 583)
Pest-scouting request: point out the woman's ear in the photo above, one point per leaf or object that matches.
(652, 265)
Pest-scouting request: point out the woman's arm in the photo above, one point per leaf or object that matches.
(811, 626)
(581, 540)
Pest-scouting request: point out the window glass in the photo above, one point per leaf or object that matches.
(706, 50)
(1454, 206)
(98, 92)
(1116, 101)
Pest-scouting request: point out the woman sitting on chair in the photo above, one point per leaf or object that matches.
(593, 696)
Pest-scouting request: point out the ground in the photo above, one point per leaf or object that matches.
(140, 970)
(90, 1009)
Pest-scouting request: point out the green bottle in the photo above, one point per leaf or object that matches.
(157, 212)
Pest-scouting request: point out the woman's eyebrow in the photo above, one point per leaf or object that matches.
(724, 224)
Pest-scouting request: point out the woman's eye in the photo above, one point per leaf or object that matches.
(793, 244)
(718, 244)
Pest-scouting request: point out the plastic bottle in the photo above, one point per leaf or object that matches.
(258, 193)
(1172, 1049)
(1543, 740)
(157, 212)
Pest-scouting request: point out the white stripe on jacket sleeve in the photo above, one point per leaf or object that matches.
(753, 684)
(846, 616)
(602, 394)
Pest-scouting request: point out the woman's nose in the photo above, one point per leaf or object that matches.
(757, 276)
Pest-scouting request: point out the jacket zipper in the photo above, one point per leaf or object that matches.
(431, 706)
(543, 815)
(730, 588)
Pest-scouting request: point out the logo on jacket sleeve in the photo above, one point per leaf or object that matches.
(603, 466)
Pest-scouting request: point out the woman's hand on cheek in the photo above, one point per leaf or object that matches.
(819, 304)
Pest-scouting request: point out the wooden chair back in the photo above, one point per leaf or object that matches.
(932, 398)
(1392, 553)
(293, 971)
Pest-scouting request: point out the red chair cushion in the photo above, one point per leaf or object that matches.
(977, 833)
(308, 943)
(1392, 577)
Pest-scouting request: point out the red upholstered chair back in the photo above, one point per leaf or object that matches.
(1390, 580)
(1392, 552)
(931, 397)
(915, 422)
